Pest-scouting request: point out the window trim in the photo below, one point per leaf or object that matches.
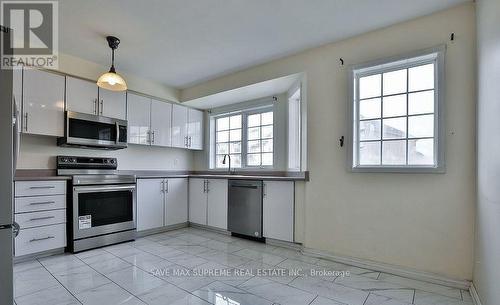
(269, 107)
(435, 55)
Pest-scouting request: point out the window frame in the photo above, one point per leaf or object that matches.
(433, 55)
(244, 137)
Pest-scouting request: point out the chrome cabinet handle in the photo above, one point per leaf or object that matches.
(166, 186)
(42, 218)
(153, 134)
(204, 186)
(101, 106)
(264, 188)
(39, 239)
(26, 121)
(163, 186)
(43, 202)
(189, 142)
(95, 106)
(208, 187)
(42, 187)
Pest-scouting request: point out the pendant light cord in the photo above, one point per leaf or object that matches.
(112, 69)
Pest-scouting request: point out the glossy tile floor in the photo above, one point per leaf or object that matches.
(193, 266)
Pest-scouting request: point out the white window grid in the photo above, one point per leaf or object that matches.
(244, 136)
(435, 57)
(229, 141)
(260, 139)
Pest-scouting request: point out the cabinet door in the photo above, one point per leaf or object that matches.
(150, 204)
(197, 201)
(81, 95)
(43, 103)
(278, 210)
(113, 104)
(179, 126)
(195, 129)
(138, 109)
(161, 120)
(176, 205)
(217, 203)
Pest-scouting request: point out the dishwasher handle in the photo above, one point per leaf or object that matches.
(245, 186)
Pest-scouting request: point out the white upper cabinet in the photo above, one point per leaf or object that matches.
(197, 201)
(138, 110)
(43, 103)
(81, 95)
(179, 126)
(217, 203)
(278, 210)
(150, 204)
(113, 104)
(195, 129)
(17, 87)
(161, 120)
(176, 203)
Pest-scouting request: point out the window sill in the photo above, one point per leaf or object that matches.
(400, 170)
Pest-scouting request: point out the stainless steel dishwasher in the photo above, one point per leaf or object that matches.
(245, 208)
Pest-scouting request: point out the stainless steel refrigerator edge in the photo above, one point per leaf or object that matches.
(8, 134)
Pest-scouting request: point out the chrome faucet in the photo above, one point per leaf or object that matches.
(224, 162)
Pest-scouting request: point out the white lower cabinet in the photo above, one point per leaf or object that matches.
(40, 211)
(176, 206)
(34, 240)
(278, 210)
(150, 203)
(161, 202)
(208, 202)
(217, 203)
(197, 201)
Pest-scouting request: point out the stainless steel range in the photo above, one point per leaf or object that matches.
(103, 209)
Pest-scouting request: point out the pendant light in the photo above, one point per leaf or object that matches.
(111, 80)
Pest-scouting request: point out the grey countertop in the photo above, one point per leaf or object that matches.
(43, 174)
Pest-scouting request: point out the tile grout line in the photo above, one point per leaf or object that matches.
(78, 300)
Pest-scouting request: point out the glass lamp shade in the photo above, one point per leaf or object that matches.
(112, 81)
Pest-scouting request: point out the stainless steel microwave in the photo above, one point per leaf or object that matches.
(93, 131)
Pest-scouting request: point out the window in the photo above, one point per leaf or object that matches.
(396, 114)
(260, 139)
(228, 140)
(247, 137)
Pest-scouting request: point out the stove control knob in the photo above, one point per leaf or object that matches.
(112, 161)
(64, 160)
(73, 160)
(106, 161)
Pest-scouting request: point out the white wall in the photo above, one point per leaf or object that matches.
(487, 247)
(38, 152)
(419, 221)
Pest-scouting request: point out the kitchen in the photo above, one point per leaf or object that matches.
(198, 178)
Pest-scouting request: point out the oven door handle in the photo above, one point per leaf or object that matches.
(104, 188)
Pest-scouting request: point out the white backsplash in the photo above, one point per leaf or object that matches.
(39, 152)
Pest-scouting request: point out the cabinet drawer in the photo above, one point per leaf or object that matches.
(40, 188)
(37, 219)
(40, 203)
(40, 239)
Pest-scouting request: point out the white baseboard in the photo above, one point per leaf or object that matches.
(474, 294)
(388, 268)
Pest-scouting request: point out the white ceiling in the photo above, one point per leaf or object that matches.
(185, 42)
(247, 93)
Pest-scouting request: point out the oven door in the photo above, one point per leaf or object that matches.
(104, 209)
